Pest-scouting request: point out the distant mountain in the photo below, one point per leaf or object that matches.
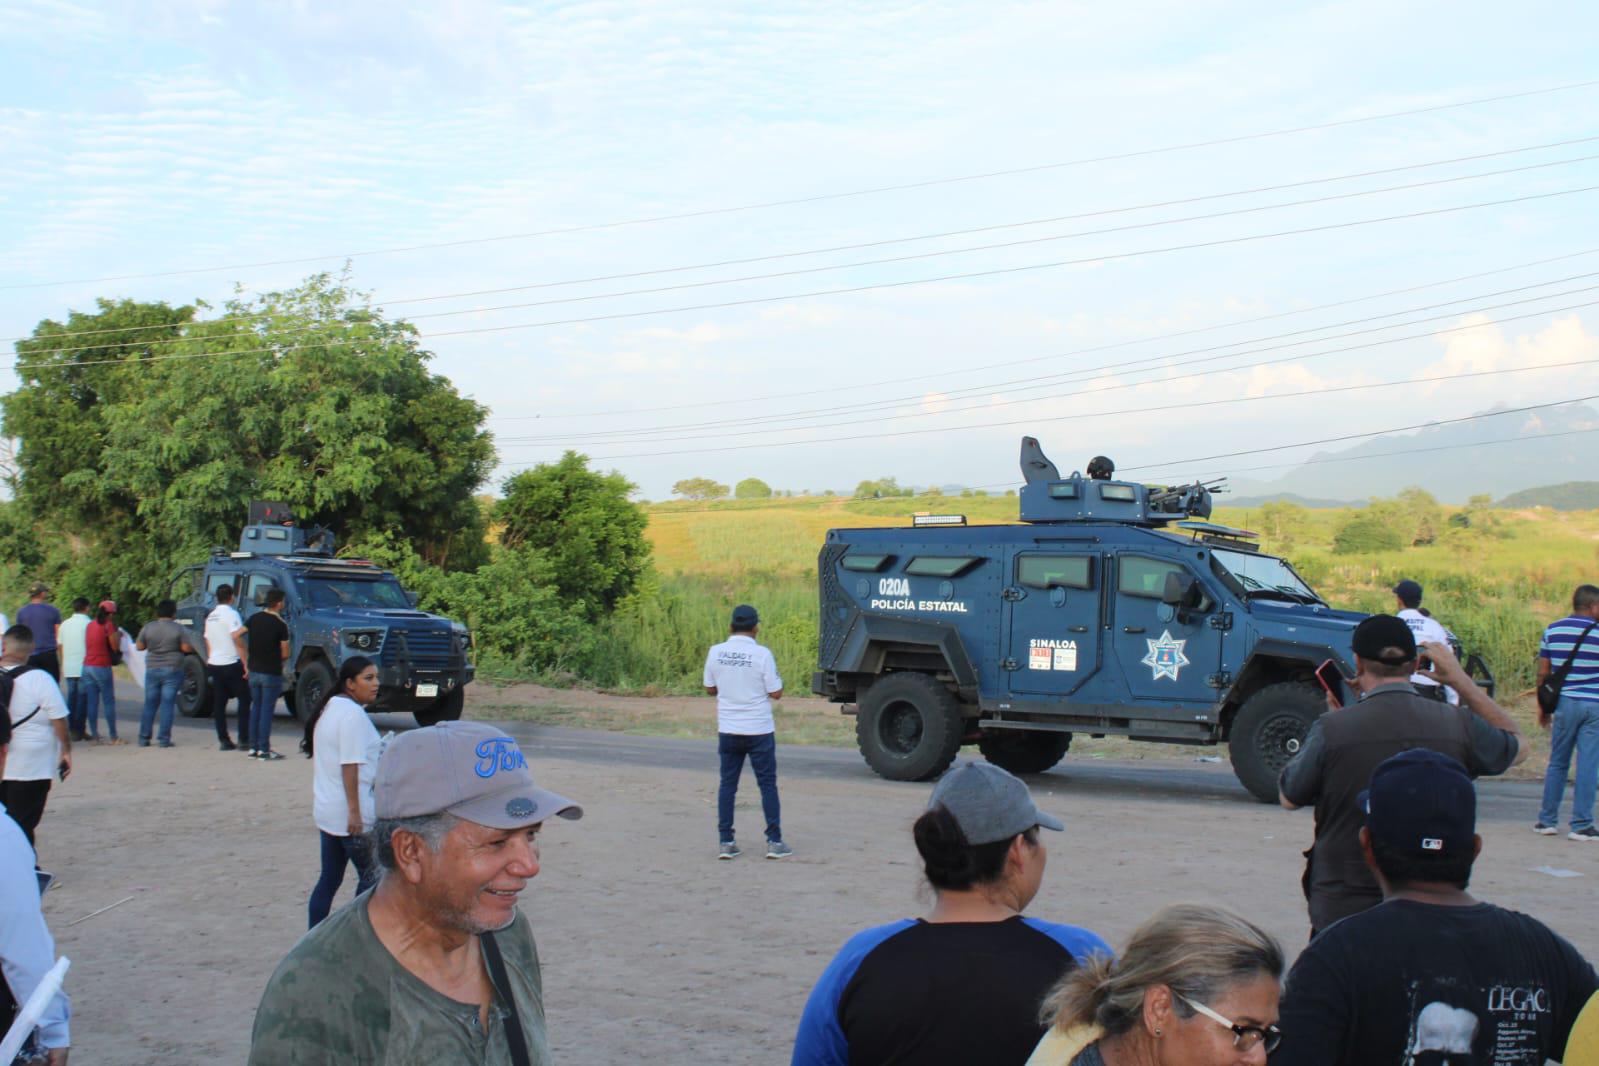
(1569, 496)
(1494, 455)
(1227, 499)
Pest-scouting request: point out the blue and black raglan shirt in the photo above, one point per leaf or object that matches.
(930, 994)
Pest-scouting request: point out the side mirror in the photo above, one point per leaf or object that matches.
(413, 598)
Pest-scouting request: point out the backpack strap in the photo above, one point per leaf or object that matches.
(1565, 667)
(502, 985)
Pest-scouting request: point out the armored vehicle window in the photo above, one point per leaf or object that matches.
(216, 580)
(1145, 577)
(941, 565)
(1066, 490)
(1055, 571)
(1123, 493)
(867, 563)
(259, 584)
(356, 592)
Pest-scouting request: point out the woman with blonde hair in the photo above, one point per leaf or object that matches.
(1196, 986)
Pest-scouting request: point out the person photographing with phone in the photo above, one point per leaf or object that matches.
(1344, 746)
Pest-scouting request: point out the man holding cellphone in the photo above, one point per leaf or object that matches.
(1344, 746)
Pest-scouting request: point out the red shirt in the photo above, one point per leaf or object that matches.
(96, 643)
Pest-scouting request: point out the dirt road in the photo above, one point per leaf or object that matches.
(653, 950)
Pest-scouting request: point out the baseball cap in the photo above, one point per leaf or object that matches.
(1408, 591)
(38, 588)
(108, 606)
(989, 804)
(745, 616)
(468, 769)
(1382, 631)
(1421, 802)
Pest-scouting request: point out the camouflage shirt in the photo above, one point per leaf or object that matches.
(339, 996)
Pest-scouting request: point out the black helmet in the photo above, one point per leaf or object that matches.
(1100, 468)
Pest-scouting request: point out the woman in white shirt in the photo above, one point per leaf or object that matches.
(342, 743)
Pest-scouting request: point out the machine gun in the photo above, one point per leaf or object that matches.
(1185, 501)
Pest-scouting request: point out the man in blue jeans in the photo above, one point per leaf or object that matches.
(1573, 639)
(266, 643)
(742, 675)
(164, 643)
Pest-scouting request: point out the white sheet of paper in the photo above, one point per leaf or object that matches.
(133, 659)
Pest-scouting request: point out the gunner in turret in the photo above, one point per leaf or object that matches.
(1101, 468)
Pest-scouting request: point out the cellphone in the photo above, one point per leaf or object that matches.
(63, 769)
(1332, 679)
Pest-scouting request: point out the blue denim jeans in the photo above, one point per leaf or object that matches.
(97, 693)
(160, 693)
(336, 852)
(762, 752)
(264, 692)
(1576, 728)
(77, 707)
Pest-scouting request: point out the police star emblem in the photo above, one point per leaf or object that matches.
(1165, 656)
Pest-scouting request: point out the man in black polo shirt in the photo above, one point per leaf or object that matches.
(267, 644)
(1345, 745)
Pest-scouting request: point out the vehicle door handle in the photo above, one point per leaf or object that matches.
(1132, 629)
(1077, 629)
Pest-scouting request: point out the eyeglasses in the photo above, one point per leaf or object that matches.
(1244, 1036)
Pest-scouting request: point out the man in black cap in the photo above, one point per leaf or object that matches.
(1344, 746)
(742, 675)
(1433, 974)
(1427, 629)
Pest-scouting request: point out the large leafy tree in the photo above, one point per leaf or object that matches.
(140, 448)
(582, 523)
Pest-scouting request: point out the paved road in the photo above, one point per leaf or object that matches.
(1154, 779)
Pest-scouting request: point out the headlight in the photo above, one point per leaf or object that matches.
(365, 641)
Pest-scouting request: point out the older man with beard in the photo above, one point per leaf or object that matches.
(435, 964)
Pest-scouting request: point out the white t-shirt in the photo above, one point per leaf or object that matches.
(220, 625)
(33, 754)
(742, 672)
(1432, 631)
(344, 734)
(73, 637)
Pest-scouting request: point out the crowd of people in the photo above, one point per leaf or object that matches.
(433, 960)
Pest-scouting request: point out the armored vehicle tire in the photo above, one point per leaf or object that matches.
(908, 727)
(311, 686)
(447, 708)
(1023, 751)
(1268, 732)
(194, 690)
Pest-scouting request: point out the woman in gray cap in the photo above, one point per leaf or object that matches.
(965, 983)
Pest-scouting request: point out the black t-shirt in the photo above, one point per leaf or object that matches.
(939, 994)
(1409, 982)
(264, 637)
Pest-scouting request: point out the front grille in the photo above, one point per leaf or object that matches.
(420, 649)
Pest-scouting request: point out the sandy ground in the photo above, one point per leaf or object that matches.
(653, 951)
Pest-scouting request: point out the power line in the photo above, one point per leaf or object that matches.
(992, 389)
(823, 197)
(1060, 355)
(996, 272)
(828, 268)
(1022, 421)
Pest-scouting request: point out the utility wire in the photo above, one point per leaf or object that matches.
(890, 260)
(996, 272)
(823, 197)
(993, 389)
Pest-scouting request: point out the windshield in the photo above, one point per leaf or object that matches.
(336, 592)
(1265, 575)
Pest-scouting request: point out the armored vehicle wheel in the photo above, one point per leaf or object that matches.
(447, 708)
(194, 694)
(908, 727)
(1023, 751)
(311, 686)
(1268, 732)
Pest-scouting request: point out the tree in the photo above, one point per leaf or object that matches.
(882, 487)
(140, 452)
(580, 520)
(699, 488)
(1366, 532)
(752, 488)
(1282, 520)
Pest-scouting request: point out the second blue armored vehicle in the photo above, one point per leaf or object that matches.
(1112, 609)
(335, 608)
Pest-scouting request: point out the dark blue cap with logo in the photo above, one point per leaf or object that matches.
(1421, 802)
(1409, 592)
(745, 617)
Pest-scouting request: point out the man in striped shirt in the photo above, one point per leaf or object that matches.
(1576, 717)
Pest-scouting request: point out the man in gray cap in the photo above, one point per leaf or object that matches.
(435, 964)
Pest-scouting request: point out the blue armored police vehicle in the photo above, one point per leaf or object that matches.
(1114, 608)
(335, 609)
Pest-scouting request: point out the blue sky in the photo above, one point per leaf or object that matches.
(156, 137)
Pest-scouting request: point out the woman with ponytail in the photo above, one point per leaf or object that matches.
(1197, 986)
(340, 739)
(963, 984)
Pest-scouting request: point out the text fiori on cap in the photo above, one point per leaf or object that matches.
(496, 754)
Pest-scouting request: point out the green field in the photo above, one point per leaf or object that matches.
(1496, 584)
